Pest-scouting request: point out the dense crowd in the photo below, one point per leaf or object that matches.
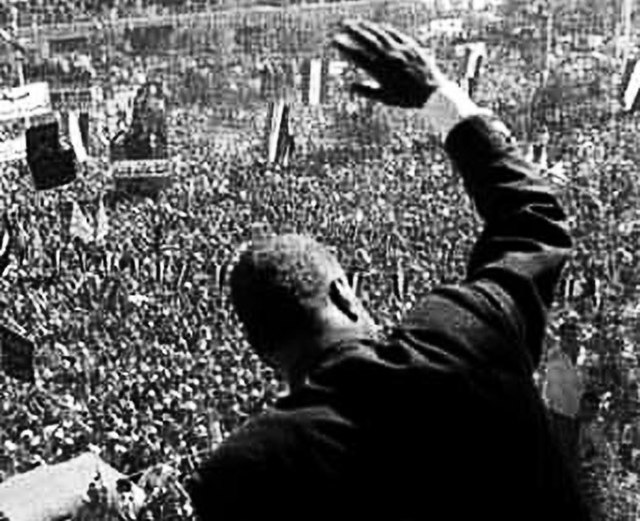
(55, 12)
(139, 356)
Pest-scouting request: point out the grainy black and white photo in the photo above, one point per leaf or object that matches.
(315, 260)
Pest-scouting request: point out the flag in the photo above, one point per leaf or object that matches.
(83, 123)
(112, 297)
(160, 270)
(109, 262)
(475, 56)
(627, 434)
(219, 276)
(190, 193)
(37, 245)
(20, 242)
(84, 292)
(5, 245)
(529, 154)
(79, 226)
(279, 140)
(50, 165)
(215, 429)
(399, 287)
(314, 81)
(169, 267)
(630, 86)
(569, 288)
(135, 267)
(16, 354)
(182, 274)
(56, 258)
(102, 224)
(75, 136)
(354, 281)
(82, 259)
(540, 156)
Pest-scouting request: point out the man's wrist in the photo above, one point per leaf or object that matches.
(448, 106)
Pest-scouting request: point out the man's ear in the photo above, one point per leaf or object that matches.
(343, 298)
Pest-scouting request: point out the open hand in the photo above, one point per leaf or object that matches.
(405, 74)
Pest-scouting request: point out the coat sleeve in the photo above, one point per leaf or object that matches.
(499, 312)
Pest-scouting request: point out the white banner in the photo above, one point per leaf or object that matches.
(120, 104)
(445, 27)
(13, 149)
(82, 99)
(25, 102)
(315, 82)
(75, 135)
(160, 168)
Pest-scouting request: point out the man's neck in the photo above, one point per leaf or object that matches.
(307, 354)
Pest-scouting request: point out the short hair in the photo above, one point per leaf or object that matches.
(277, 284)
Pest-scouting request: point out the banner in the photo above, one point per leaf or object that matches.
(50, 165)
(120, 106)
(354, 281)
(133, 169)
(279, 140)
(69, 44)
(630, 86)
(314, 74)
(25, 102)
(149, 175)
(80, 99)
(144, 135)
(16, 354)
(476, 54)
(5, 245)
(444, 27)
(75, 136)
(79, 226)
(149, 38)
(13, 149)
(102, 223)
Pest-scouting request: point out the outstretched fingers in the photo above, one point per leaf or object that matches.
(354, 50)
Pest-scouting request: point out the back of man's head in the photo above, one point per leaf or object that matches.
(278, 287)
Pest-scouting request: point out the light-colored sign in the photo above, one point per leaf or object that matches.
(119, 108)
(25, 102)
(13, 149)
(82, 99)
(445, 27)
(126, 170)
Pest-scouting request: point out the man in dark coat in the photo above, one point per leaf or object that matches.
(441, 420)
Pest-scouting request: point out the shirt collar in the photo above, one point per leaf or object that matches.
(331, 346)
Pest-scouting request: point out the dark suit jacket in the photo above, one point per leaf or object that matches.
(440, 421)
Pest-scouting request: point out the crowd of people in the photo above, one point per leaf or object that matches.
(139, 356)
(56, 12)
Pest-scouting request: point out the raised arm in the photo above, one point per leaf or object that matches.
(520, 253)
(499, 313)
